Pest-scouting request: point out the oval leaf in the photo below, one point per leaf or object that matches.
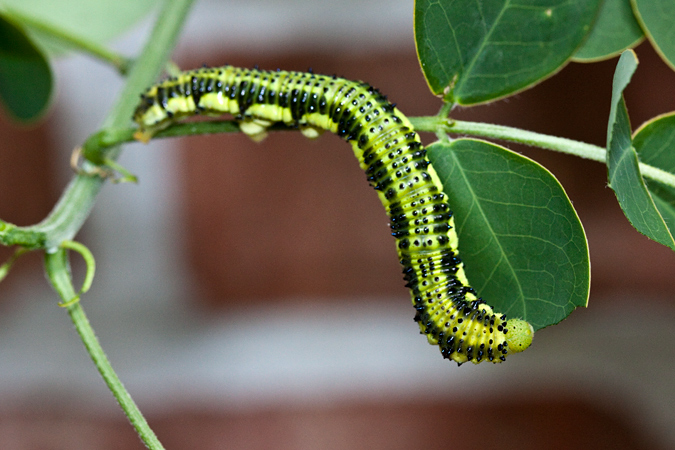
(656, 18)
(25, 75)
(655, 145)
(476, 51)
(622, 163)
(97, 21)
(615, 30)
(523, 245)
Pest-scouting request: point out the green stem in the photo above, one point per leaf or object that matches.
(58, 272)
(76, 202)
(563, 145)
(78, 199)
(435, 124)
(120, 62)
(98, 142)
(445, 109)
(11, 235)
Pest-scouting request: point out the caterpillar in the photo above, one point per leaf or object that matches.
(448, 310)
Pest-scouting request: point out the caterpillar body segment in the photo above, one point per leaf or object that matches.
(390, 152)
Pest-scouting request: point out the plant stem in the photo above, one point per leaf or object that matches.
(58, 272)
(436, 124)
(563, 145)
(78, 199)
(120, 62)
(76, 202)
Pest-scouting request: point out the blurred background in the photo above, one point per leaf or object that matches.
(249, 295)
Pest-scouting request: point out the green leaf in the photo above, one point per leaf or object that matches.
(522, 243)
(655, 145)
(474, 51)
(622, 161)
(25, 75)
(98, 20)
(615, 30)
(656, 18)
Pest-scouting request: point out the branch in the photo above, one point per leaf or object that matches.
(563, 145)
(58, 273)
(78, 199)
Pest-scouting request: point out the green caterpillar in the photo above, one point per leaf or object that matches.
(449, 311)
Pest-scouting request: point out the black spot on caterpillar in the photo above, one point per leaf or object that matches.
(390, 152)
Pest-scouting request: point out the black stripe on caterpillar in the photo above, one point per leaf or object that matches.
(390, 152)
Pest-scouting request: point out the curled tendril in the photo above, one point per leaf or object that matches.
(91, 269)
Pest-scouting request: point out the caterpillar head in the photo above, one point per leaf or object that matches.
(519, 336)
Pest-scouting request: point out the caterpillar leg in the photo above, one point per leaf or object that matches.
(143, 136)
(310, 132)
(256, 129)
